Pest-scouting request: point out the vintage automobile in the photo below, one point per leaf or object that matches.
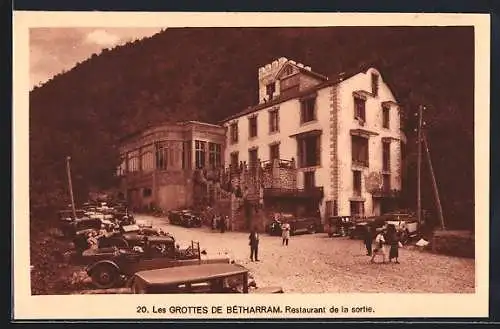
(70, 225)
(406, 224)
(190, 219)
(204, 278)
(339, 225)
(110, 267)
(302, 224)
(358, 228)
(184, 217)
(134, 235)
(175, 217)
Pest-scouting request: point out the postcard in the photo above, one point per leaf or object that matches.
(284, 165)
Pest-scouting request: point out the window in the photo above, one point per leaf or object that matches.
(147, 162)
(386, 156)
(214, 155)
(161, 152)
(274, 152)
(308, 110)
(122, 168)
(357, 208)
(147, 192)
(356, 182)
(253, 157)
(287, 70)
(200, 150)
(274, 120)
(375, 84)
(234, 132)
(359, 109)
(359, 151)
(234, 160)
(331, 208)
(270, 89)
(309, 151)
(385, 116)
(186, 155)
(386, 182)
(252, 127)
(309, 181)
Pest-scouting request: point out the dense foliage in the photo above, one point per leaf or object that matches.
(208, 74)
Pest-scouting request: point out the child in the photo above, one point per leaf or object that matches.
(379, 246)
(394, 243)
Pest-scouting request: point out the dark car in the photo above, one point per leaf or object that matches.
(108, 267)
(134, 235)
(202, 278)
(175, 217)
(339, 225)
(190, 219)
(70, 225)
(358, 229)
(298, 224)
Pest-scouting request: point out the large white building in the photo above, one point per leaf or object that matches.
(343, 133)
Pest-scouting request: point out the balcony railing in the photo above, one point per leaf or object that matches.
(384, 192)
(311, 192)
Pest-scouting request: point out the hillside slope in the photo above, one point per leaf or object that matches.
(208, 74)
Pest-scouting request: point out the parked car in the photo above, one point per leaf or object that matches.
(357, 229)
(190, 219)
(298, 224)
(204, 278)
(70, 225)
(339, 225)
(110, 267)
(406, 224)
(175, 217)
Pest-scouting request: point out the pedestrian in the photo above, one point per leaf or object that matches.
(368, 239)
(223, 223)
(285, 233)
(393, 242)
(254, 245)
(380, 248)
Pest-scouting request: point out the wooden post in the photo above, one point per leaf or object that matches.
(419, 165)
(68, 171)
(434, 184)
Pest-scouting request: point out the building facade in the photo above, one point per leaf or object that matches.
(343, 135)
(158, 163)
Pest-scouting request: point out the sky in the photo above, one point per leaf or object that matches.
(53, 50)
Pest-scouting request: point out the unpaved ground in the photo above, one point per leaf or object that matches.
(315, 263)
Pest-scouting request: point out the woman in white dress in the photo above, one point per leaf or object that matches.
(285, 232)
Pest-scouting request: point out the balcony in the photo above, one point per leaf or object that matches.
(309, 193)
(386, 193)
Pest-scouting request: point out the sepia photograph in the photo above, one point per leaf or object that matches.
(288, 159)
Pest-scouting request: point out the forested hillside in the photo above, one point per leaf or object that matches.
(208, 74)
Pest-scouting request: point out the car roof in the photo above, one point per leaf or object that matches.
(189, 273)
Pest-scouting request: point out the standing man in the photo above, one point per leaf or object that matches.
(254, 245)
(368, 238)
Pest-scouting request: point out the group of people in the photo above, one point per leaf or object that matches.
(220, 222)
(385, 237)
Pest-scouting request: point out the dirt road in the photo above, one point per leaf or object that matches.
(314, 263)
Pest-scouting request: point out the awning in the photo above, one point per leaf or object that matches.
(363, 133)
(314, 132)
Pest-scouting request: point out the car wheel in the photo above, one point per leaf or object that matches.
(105, 276)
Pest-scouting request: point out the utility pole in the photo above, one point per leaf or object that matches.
(419, 164)
(68, 171)
(434, 184)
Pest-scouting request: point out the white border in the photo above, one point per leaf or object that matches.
(124, 306)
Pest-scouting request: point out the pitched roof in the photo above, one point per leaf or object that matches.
(283, 98)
